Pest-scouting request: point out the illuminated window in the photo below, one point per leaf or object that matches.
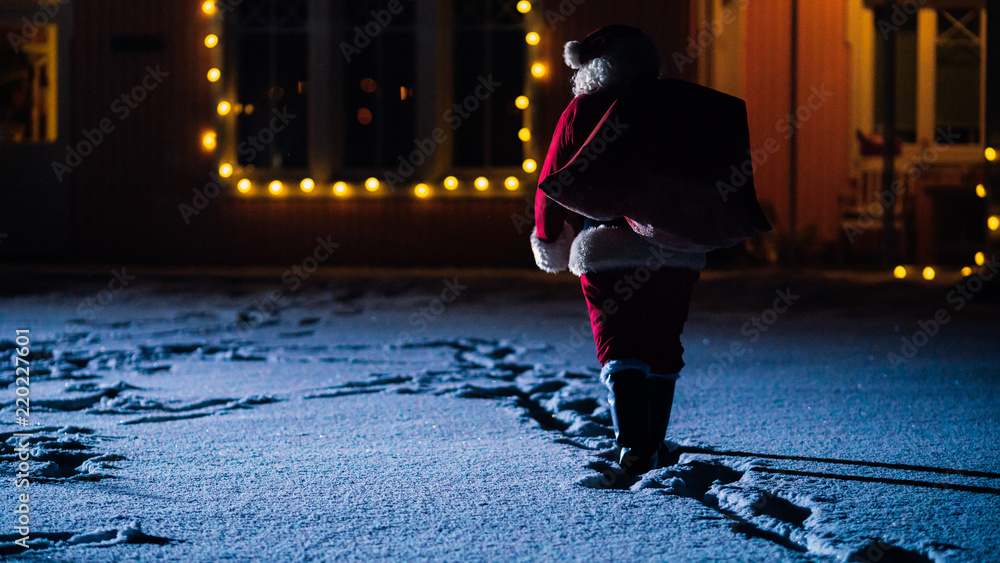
(28, 84)
(945, 95)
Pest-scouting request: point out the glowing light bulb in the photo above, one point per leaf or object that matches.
(532, 38)
(529, 166)
(274, 187)
(211, 40)
(521, 102)
(524, 6)
(899, 272)
(371, 184)
(450, 183)
(225, 170)
(511, 183)
(966, 271)
(422, 190)
(993, 222)
(538, 70)
(208, 7)
(208, 140)
(340, 188)
(928, 273)
(214, 75)
(243, 185)
(481, 183)
(524, 134)
(980, 259)
(991, 154)
(224, 107)
(307, 185)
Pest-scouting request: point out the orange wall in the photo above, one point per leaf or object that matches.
(767, 95)
(822, 163)
(824, 61)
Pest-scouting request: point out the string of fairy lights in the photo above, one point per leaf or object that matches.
(248, 184)
(979, 258)
(451, 184)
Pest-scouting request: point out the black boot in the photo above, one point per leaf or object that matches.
(660, 391)
(627, 397)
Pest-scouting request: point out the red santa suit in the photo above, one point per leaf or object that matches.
(659, 171)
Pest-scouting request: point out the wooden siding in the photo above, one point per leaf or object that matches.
(768, 93)
(823, 138)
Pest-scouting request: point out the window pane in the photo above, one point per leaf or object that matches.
(906, 82)
(27, 84)
(379, 116)
(489, 48)
(959, 52)
(273, 84)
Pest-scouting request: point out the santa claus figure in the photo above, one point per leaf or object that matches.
(660, 171)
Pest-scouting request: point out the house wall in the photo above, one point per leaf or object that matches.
(126, 194)
(823, 123)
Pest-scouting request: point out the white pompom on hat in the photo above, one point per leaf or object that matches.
(571, 54)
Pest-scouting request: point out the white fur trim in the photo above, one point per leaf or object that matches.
(571, 54)
(615, 366)
(605, 248)
(553, 257)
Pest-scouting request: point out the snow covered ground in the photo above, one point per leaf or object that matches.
(456, 415)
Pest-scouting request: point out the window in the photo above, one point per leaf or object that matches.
(959, 58)
(404, 89)
(28, 83)
(489, 41)
(378, 120)
(271, 47)
(906, 82)
(940, 78)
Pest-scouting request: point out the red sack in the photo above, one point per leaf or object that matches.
(671, 157)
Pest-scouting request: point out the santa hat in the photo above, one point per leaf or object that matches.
(598, 42)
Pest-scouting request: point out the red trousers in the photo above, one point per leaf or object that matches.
(640, 313)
